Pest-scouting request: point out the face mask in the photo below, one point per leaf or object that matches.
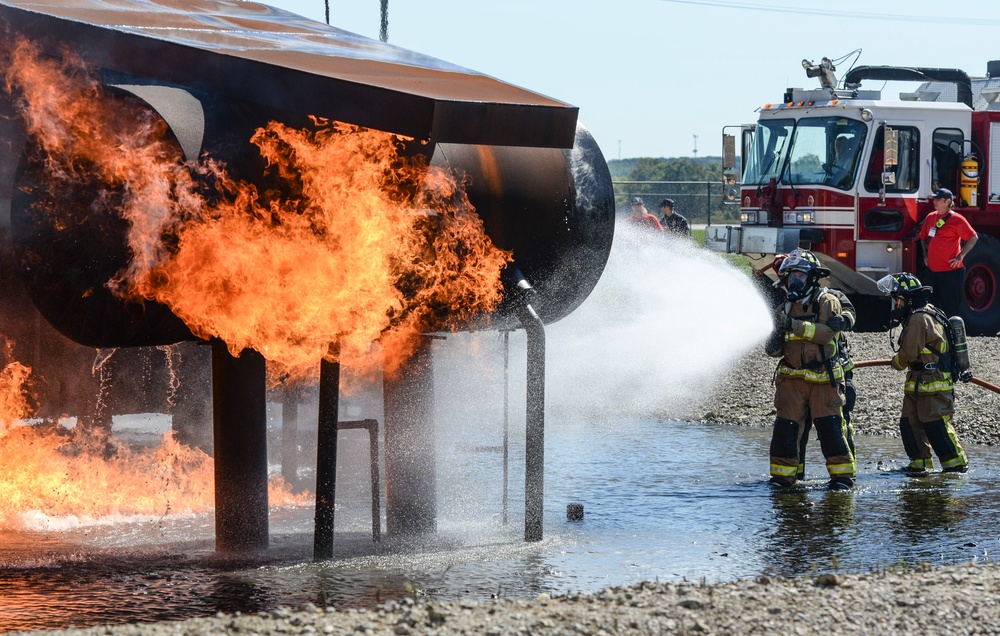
(900, 309)
(797, 284)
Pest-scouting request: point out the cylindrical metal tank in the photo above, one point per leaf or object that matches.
(552, 208)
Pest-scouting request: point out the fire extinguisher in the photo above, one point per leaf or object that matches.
(968, 192)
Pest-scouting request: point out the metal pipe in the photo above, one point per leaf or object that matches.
(521, 292)
(240, 424)
(506, 420)
(326, 458)
(372, 427)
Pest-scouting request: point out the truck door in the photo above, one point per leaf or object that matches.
(887, 200)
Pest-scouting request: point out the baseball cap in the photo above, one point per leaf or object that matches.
(667, 203)
(636, 200)
(943, 193)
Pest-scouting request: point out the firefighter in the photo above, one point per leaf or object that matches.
(846, 360)
(929, 391)
(809, 380)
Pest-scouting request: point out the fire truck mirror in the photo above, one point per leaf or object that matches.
(891, 148)
(728, 152)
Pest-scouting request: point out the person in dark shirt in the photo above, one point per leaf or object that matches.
(673, 222)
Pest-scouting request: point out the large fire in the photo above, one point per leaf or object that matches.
(360, 242)
(360, 248)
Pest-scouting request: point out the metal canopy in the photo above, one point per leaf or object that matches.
(253, 52)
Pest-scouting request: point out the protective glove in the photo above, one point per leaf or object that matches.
(784, 321)
(837, 323)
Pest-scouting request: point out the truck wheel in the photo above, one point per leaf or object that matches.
(981, 300)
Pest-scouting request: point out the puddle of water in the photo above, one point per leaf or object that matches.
(665, 501)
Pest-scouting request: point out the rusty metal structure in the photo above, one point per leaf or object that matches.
(214, 71)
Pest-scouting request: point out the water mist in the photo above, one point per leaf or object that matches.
(667, 321)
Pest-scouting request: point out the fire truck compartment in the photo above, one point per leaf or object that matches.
(734, 239)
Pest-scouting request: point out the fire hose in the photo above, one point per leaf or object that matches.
(885, 363)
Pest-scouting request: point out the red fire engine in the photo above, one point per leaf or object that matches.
(848, 174)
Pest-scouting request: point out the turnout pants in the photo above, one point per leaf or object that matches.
(850, 397)
(795, 402)
(925, 425)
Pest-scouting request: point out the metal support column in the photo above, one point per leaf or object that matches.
(240, 424)
(410, 455)
(326, 458)
(534, 432)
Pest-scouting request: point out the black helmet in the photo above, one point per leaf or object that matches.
(803, 261)
(907, 294)
(800, 260)
(901, 284)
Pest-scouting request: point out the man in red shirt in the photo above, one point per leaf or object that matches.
(641, 216)
(947, 239)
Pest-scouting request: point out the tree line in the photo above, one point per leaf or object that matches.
(667, 169)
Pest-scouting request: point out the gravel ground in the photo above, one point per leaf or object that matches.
(952, 600)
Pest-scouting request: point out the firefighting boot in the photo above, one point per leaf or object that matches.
(832, 432)
(784, 452)
(945, 443)
(920, 460)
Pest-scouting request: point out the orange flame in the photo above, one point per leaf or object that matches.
(56, 472)
(366, 245)
(15, 389)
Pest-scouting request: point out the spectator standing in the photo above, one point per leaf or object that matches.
(673, 222)
(641, 216)
(947, 238)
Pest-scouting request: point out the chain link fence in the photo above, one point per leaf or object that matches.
(701, 202)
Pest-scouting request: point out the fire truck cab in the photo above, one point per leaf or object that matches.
(848, 175)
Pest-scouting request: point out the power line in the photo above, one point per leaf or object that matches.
(834, 13)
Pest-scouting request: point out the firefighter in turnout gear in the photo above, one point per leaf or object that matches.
(846, 360)
(929, 391)
(809, 380)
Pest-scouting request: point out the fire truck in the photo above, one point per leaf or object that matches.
(848, 174)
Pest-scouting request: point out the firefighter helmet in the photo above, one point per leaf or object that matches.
(800, 272)
(907, 294)
(803, 261)
(901, 284)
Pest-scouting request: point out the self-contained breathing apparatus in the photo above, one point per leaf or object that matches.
(910, 296)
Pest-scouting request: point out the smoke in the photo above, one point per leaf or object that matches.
(667, 322)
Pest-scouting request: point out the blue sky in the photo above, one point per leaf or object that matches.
(649, 75)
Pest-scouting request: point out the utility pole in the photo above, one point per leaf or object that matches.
(384, 31)
(695, 151)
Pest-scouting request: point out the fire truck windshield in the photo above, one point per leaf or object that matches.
(809, 152)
